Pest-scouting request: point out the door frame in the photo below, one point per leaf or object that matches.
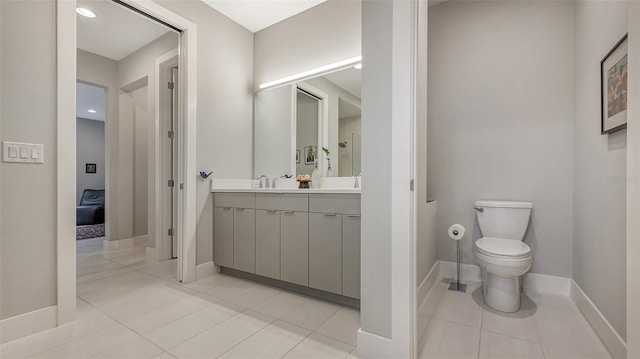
(66, 147)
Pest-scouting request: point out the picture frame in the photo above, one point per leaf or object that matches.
(90, 168)
(310, 155)
(613, 86)
(297, 156)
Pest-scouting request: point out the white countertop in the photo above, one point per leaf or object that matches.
(334, 185)
(288, 190)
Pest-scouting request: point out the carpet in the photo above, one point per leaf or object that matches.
(90, 231)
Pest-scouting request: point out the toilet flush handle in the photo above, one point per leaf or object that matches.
(479, 209)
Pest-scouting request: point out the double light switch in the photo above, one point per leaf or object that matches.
(22, 152)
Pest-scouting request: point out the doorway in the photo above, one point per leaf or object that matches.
(119, 51)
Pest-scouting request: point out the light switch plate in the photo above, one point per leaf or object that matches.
(22, 152)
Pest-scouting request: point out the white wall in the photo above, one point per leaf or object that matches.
(599, 245)
(346, 128)
(500, 120)
(322, 35)
(224, 106)
(89, 149)
(28, 114)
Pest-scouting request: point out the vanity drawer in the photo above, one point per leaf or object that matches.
(283, 201)
(234, 200)
(334, 203)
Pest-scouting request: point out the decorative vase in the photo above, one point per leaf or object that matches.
(329, 170)
(303, 184)
(315, 177)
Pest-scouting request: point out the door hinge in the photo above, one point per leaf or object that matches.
(181, 185)
(170, 232)
(171, 134)
(411, 185)
(170, 183)
(171, 85)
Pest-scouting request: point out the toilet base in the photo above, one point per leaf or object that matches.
(501, 293)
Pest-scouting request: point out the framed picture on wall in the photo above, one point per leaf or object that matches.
(297, 156)
(90, 168)
(613, 78)
(310, 155)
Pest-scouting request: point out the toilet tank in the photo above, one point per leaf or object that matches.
(503, 219)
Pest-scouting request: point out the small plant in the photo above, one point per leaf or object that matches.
(326, 152)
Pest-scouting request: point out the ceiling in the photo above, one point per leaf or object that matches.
(256, 15)
(90, 97)
(115, 32)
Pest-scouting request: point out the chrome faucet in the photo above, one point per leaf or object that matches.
(266, 180)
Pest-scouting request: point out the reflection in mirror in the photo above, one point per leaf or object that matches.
(294, 122)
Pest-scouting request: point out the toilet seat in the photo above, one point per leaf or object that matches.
(502, 248)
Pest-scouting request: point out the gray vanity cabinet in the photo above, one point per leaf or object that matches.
(244, 239)
(223, 235)
(325, 252)
(234, 234)
(351, 255)
(268, 243)
(294, 247)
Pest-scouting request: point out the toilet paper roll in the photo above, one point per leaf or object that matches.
(456, 232)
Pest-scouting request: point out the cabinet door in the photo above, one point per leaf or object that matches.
(325, 252)
(244, 240)
(223, 236)
(294, 247)
(351, 256)
(268, 243)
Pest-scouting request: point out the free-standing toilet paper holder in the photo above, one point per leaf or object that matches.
(457, 235)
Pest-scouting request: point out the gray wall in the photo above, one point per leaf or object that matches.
(272, 132)
(89, 149)
(501, 120)
(141, 180)
(28, 114)
(224, 108)
(599, 244)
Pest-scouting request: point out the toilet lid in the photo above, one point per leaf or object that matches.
(503, 247)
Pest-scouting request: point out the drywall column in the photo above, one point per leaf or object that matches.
(633, 185)
(388, 204)
(28, 229)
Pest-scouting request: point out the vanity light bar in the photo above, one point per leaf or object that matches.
(319, 70)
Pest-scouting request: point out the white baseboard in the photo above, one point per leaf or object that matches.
(204, 270)
(373, 346)
(152, 253)
(113, 245)
(532, 281)
(614, 343)
(428, 282)
(141, 241)
(29, 323)
(542, 283)
(470, 272)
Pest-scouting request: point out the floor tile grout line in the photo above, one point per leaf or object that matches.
(247, 338)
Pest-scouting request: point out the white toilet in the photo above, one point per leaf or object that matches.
(500, 253)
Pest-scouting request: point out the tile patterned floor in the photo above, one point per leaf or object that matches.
(129, 306)
(460, 325)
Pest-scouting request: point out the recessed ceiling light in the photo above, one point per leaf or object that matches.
(85, 12)
(358, 66)
(93, 111)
